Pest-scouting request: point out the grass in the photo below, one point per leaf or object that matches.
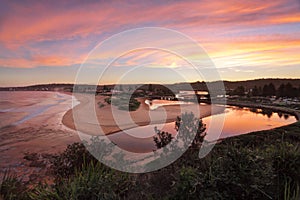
(13, 188)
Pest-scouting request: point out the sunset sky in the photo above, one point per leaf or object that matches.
(46, 42)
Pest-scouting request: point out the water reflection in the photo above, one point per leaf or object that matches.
(237, 121)
(265, 111)
(286, 116)
(244, 120)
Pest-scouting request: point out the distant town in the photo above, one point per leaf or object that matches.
(279, 91)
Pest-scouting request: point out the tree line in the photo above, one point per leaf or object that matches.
(268, 90)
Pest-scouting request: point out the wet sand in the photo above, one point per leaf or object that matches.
(39, 132)
(88, 116)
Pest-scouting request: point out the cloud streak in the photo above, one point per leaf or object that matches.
(254, 33)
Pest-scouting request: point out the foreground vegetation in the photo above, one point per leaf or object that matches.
(261, 165)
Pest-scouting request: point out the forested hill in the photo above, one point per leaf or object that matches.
(229, 85)
(261, 82)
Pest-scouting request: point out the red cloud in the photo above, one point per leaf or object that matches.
(24, 24)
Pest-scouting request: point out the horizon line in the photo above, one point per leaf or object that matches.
(37, 84)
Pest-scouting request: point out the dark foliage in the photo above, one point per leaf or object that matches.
(65, 164)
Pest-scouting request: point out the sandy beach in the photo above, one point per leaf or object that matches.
(88, 116)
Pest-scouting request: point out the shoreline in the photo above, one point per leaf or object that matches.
(273, 108)
(106, 116)
(43, 134)
(139, 117)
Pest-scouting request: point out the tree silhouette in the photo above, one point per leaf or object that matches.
(272, 90)
(186, 125)
(269, 90)
(287, 91)
(162, 139)
(240, 91)
(281, 91)
(255, 91)
(150, 88)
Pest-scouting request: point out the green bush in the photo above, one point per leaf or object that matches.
(65, 164)
(239, 173)
(124, 102)
(162, 138)
(187, 184)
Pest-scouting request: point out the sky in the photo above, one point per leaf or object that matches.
(47, 42)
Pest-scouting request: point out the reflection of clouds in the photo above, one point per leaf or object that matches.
(244, 120)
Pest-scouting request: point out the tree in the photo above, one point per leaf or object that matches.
(290, 91)
(259, 91)
(185, 126)
(281, 91)
(269, 90)
(265, 90)
(287, 91)
(272, 90)
(162, 139)
(150, 88)
(255, 91)
(240, 91)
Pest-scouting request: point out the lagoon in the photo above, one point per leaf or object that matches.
(237, 121)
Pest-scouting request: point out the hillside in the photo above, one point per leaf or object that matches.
(229, 85)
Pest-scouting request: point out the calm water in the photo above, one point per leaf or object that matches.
(237, 121)
(244, 120)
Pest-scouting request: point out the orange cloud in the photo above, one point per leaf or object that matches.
(272, 53)
(50, 60)
(29, 24)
